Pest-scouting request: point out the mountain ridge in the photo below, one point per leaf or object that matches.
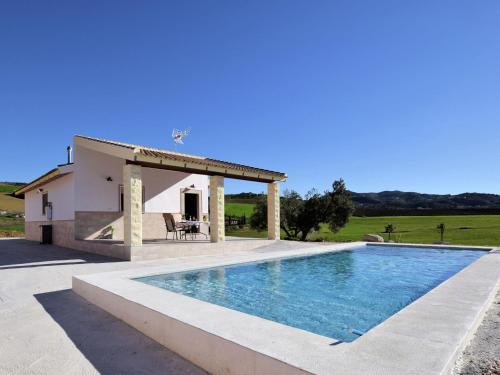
(396, 202)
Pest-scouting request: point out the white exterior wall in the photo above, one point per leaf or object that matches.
(163, 188)
(60, 193)
(92, 191)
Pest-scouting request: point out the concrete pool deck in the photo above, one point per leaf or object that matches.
(46, 328)
(424, 337)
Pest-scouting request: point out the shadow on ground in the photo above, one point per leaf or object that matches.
(109, 344)
(19, 253)
(84, 338)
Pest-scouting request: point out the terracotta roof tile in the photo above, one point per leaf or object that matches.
(176, 156)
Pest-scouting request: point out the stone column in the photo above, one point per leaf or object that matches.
(273, 211)
(217, 230)
(132, 205)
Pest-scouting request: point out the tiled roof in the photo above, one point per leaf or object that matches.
(45, 178)
(192, 159)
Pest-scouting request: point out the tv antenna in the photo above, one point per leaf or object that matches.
(178, 136)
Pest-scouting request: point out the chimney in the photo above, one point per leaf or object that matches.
(68, 149)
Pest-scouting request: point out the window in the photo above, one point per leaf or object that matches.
(121, 201)
(45, 202)
(120, 198)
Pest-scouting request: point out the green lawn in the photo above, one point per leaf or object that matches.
(10, 223)
(460, 230)
(238, 209)
(12, 228)
(4, 188)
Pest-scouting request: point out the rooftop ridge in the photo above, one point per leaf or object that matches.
(161, 153)
(134, 146)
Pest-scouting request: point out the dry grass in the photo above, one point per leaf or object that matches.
(11, 226)
(8, 234)
(11, 204)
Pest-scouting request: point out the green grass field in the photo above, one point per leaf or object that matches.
(460, 230)
(6, 188)
(238, 209)
(11, 226)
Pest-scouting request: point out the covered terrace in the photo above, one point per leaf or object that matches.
(138, 158)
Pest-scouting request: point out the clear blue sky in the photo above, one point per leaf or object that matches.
(386, 94)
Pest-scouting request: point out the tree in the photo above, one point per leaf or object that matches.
(340, 206)
(441, 228)
(312, 213)
(291, 205)
(299, 216)
(389, 229)
(258, 220)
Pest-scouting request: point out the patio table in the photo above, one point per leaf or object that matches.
(189, 225)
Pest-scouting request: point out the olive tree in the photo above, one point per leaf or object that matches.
(258, 220)
(340, 206)
(299, 216)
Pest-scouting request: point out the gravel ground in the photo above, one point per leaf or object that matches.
(482, 356)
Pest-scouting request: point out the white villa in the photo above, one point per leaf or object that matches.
(112, 199)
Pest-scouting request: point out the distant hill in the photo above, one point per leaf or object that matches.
(7, 200)
(12, 183)
(406, 203)
(387, 203)
(242, 197)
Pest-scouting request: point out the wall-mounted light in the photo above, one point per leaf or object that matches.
(40, 190)
(186, 189)
(109, 178)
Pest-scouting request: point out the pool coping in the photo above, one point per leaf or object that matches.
(424, 337)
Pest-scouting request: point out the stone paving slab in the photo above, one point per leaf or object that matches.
(45, 328)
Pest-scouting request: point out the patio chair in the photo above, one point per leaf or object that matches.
(171, 226)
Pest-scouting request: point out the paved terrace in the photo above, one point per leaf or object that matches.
(45, 328)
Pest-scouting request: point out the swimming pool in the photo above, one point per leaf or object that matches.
(332, 294)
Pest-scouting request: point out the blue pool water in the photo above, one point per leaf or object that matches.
(329, 294)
